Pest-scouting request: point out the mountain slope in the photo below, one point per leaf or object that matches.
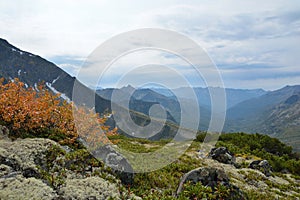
(32, 69)
(276, 113)
(233, 96)
(142, 99)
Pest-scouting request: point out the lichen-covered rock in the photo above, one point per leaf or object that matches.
(211, 177)
(25, 152)
(19, 187)
(117, 162)
(256, 185)
(223, 155)
(40, 169)
(89, 188)
(262, 165)
(4, 132)
(207, 176)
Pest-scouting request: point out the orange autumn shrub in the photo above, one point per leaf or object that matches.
(91, 127)
(42, 113)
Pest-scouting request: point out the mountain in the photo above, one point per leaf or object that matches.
(276, 113)
(143, 98)
(33, 69)
(233, 96)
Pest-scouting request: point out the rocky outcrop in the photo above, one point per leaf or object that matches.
(89, 188)
(211, 177)
(20, 187)
(223, 155)
(117, 162)
(262, 165)
(26, 173)
(4, 132)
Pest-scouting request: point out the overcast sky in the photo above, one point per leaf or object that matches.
(255, 44)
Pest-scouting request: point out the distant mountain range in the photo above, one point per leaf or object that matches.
(233, 96)
(276, 113)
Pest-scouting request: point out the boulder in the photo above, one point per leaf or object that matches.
(22, 177)
(4, 132)
(89, 188)
(19, 187)
(223, 155)
(117, 162)
(261, 165)
(210, 177)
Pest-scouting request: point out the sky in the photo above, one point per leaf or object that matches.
(254, 44)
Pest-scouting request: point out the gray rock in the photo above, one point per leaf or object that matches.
(117, 162)
(4, 132)
(263, 166)
(21, 162)
(20, 187)
(223, 155)
(207, 176)
(66, 148)
(211, 177)
(89, 188)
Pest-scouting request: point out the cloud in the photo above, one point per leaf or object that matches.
(248, 40)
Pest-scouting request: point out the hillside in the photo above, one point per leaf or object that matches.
(43, 169)
(32, 70)
(275, 113)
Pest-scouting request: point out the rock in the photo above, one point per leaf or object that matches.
(211, 177)
(261, 165)
(207, 176)
(222, 155)
(20, 187)
(4, 132)
(66, 148)
(6, 159)
(22, 155)
(89, 188)
(25, 174)
(117, 162)
(5, 170)
(30, 172)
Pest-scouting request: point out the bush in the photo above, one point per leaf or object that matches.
(36, 112)
(279, 155)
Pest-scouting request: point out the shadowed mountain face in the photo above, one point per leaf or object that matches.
(276, 113)
(32, 69)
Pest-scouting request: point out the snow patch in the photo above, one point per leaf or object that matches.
(20, 52)
(36, 87)
(19, 72)
(62, 95)
(55, 80)
(26, 85)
